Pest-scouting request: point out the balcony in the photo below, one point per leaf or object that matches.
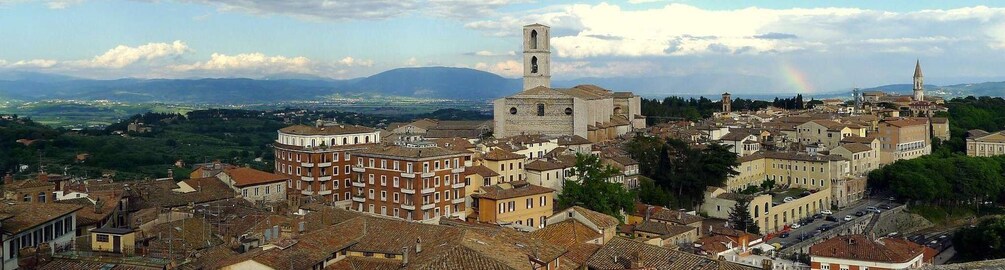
(408, 175)
(458, 185)
(325, 164)
(358, 199)
(306, 164)
(306, 192)
(468, 163)
(408, 207)
(325, 192)
(428, 174)
(358, 168)
(307, 178)
(428, 190)
(428, 206)
(458, 200)
(358, 184)
(325, 178)
(457, 170)
(408, 190)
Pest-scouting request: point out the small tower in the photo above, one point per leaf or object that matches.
(727, 103)
(919, 82)
(536, 56)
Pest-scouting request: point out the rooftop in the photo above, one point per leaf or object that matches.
(511, 190)
(250, 177)
(24, 216)
(325, 130)
(405, 152)
(860, 248)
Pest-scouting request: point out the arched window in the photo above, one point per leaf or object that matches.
(540, 109)
(512, 110)
(27, 197)
(355, 140)
(533, 39)
(41, 197)
(345, 141)
(533, 64)
(617, 110)
(366, 139)
(333, 141)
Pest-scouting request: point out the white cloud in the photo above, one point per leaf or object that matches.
(468, 8)
(34, 63)
(122, 55)
(320, 9)
(508, 68)
(251, 62)
(52, 4)
(491, 53)
(349, 61)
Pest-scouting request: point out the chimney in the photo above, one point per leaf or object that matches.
(648, 210)
(418, 245)
(404, 256)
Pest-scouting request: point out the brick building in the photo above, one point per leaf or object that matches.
(317, 160)
(412, 182)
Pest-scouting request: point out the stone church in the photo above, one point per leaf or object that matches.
(587, 111)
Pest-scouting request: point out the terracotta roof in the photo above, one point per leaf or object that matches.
(736, 135)
(856, 147)
(620, 253)
(566, 233)
(572, 140)
(829, 124)
(447, 133)
(482, 171)
(904, 122)
(24, 216)
(83, 264)
(939, 120)
(152, 193)
(541, 165)
(454, 143)
(499, 154)
(664, 230)
(404, 152)
(857, 139)
(715, 244)
(597, 218)
(325, 130)
(89, 214)
(366, 263)
(623, 160)
(858, 247)
(664, 214)
(515, 189)
(243, 177)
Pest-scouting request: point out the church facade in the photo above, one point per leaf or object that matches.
(587, 111)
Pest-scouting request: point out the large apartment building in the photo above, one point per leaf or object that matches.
(984, 144)
(418, 181)
(795, 169)
(317, 158)
(903, 138)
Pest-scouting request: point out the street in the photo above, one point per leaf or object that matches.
(810, 229)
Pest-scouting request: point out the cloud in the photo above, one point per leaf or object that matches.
(508, 68)
(490, 53)
(320, 9)
(34, 63)
(349, 61)
(607, 30)
(122, 55)
(466, 9)
(61, 4)
(258, 63)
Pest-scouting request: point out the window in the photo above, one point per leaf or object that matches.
(530, 203)
(543, 200)
(371, 195)
(533, 64)
(540, 109)
(395, 181)
(502, 208)
(512, 206)
(512, 110)
(396, 165)
(395, 197)
(102, 238)
(568, 111)
(383, 180)
(383, 195)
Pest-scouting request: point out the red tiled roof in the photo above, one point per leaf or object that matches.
(249, 177)
(858, 247)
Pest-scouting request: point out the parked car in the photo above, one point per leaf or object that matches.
(859, 214)
(818, 216)
(784, 235)
(827, 212)
(825, 227)
(872, 209)
(831, 218)
(886, 206)
(787, 199)
(795, 226)
(892, 199)
(847, 218)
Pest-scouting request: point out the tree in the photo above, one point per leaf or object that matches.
(683, 171)
(650, 193)
(591, 188)
(983, 242)
(740, 219)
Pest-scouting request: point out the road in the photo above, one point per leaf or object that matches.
(812, 227)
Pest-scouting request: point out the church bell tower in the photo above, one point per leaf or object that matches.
(536, 56)
(919, 83)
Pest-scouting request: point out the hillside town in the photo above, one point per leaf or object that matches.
(453, 194)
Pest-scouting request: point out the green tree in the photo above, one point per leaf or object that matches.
(983, 242)
(592, 190)
(740, 218)
(650, 193)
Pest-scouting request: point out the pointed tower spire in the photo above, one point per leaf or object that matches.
(917, 69)
(919, 82)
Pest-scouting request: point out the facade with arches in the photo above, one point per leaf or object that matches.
(317, 158)
(587, 111)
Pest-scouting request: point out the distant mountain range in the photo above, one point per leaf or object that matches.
(422, 82)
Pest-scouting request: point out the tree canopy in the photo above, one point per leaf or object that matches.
(740, 219)
(684, 172)
(943, 179)
(982, 242)
(591, 188)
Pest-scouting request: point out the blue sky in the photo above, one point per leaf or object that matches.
(805, 46)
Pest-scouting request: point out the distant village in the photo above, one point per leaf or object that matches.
(437, 194)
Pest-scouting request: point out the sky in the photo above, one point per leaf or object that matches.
(802, 46)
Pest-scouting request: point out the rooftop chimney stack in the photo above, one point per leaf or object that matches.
(418, 245)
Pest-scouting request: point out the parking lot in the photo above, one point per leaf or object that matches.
(807, 231)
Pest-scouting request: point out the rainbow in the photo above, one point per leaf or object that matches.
(795, 77)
